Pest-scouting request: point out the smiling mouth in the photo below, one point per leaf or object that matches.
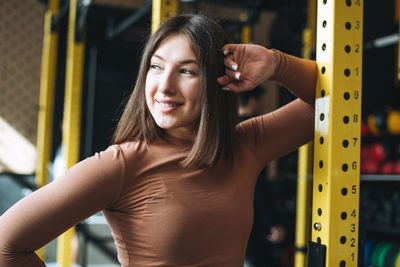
(167, 106)
(163, 104)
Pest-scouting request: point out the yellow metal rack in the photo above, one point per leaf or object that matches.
(72, 115)
(161, 11)
(305, 159)
(47, 88)
(336, 187)
(46, 100)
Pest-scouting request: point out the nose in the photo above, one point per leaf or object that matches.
(167, 83)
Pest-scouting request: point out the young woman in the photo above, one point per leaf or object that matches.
(177, 185)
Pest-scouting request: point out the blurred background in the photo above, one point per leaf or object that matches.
(114, 32)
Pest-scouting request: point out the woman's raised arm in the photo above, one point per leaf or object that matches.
(281, 131)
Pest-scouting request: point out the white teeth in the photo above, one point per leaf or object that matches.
(168, 104)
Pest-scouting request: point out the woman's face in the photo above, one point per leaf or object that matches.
(173, 87)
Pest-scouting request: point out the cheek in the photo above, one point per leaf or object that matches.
(149, 92)
(194, 94)
(196, 97)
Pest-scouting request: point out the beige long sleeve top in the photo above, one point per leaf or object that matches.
(160, 213)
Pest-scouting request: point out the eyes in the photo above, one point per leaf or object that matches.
(186, 71)
(154, 66)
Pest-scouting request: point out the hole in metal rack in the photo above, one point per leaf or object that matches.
(321, 164)
(322, 93)
(343, 215)
(344, 191)
(321, 117)
(324, 2)
(346, 119)
(319, 212)
(347, 72)
(317, 226)
(347, 48)
(319, 240)
(342, 264)
(323, 70)
(345, 143)
(347, 25)
(345, 167)
(324, 23)
(321, 140)
(343, 239)
(348, 2)
(346, 96)
(323, 47)
(320, 187)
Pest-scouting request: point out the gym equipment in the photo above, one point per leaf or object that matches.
(387, 168)
(369, 166)
(396, 167)
(365, 131)
(369, 245)
(391, 256)
(393, 122)
(385, 150)
(379, 253)
(382, 254)
(385, 121)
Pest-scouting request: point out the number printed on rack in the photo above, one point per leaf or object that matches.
(355, 118)
(357, 50)
(353, 214)
(355, 140)
(354, 165)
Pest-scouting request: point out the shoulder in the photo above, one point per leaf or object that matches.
(129, 151)
(135, 155)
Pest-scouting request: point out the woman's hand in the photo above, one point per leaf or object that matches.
(247, 66)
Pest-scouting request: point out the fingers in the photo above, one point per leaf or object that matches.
(232, 79)
(229, 63)
(223, 80)
(229, 49)
(230, 76)
(227, 83)
(234, 75)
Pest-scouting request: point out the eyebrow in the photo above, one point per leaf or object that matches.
(182, 62)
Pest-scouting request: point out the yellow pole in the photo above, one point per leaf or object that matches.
(305, 159)
(303, 203)
(46, 99)
(246, 34)
(161, 11)
(72, 117)
(47, 87)
(335, 225)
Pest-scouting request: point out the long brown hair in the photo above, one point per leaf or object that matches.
(216, 132)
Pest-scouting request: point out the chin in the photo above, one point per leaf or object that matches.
(165, 126)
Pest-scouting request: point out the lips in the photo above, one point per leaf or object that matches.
(167, 105)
